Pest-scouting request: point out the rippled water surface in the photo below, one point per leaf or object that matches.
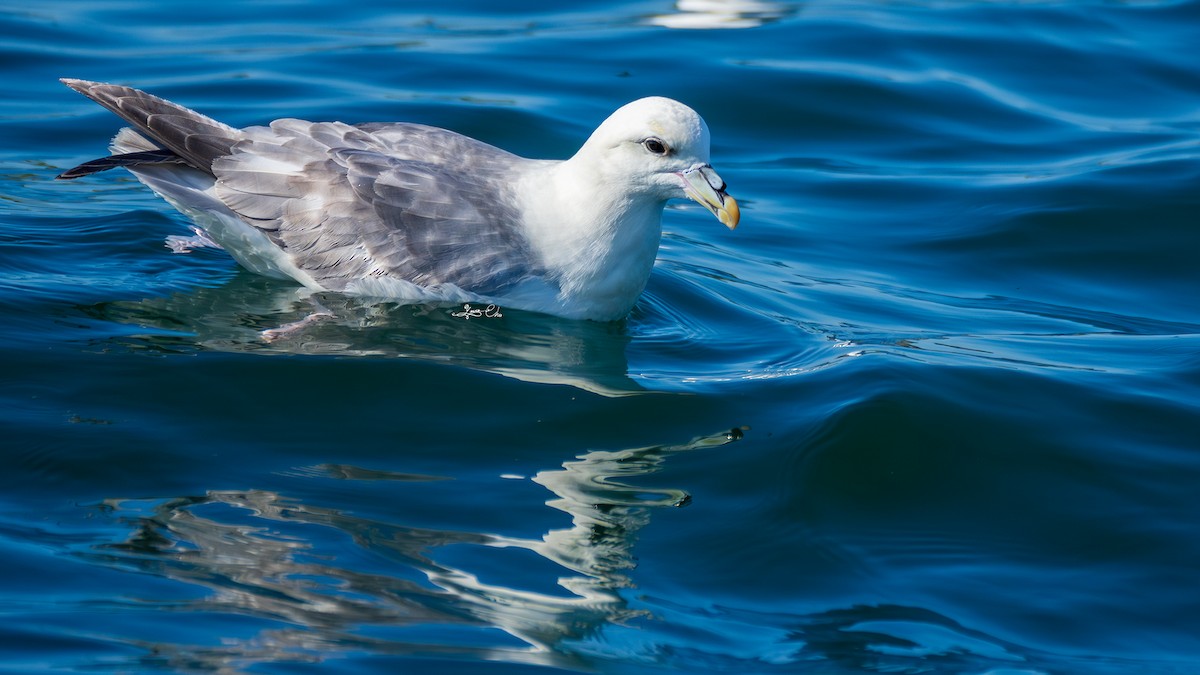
(933, 407)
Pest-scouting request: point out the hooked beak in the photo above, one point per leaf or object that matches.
(702, 185)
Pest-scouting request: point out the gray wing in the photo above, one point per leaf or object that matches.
(409, 202)
(196, 139)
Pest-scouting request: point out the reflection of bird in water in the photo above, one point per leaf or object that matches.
(258, 554)
(233, 318)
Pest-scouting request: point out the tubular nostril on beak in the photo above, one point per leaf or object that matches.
(710, 176)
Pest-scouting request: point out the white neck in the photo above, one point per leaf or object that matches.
(597, 239)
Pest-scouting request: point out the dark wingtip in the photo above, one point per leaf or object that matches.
(193, 138)
(85, 169)
(80, 86)
(71, 174)
(126, 160)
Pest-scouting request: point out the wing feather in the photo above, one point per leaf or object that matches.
(414, 203)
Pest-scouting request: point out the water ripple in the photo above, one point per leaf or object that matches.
(957, 329)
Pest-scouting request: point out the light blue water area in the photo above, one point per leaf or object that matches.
(933, 407)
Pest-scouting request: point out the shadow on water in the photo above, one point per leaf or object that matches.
(257, 315)
(262, 554)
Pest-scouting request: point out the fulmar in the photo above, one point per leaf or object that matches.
(416, 213)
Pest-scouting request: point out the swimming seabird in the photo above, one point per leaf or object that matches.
(421, 214)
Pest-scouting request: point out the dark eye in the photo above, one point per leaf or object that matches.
(656, 146)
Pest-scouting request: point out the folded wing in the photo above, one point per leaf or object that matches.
(346, 205)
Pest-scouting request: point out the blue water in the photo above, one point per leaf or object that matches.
(933, 407)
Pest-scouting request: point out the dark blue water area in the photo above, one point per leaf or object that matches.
(934, 407)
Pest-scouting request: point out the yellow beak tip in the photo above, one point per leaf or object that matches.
(730, 214)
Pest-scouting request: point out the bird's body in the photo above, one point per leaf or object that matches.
(416, 213)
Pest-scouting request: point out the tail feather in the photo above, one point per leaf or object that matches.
(196, 139)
